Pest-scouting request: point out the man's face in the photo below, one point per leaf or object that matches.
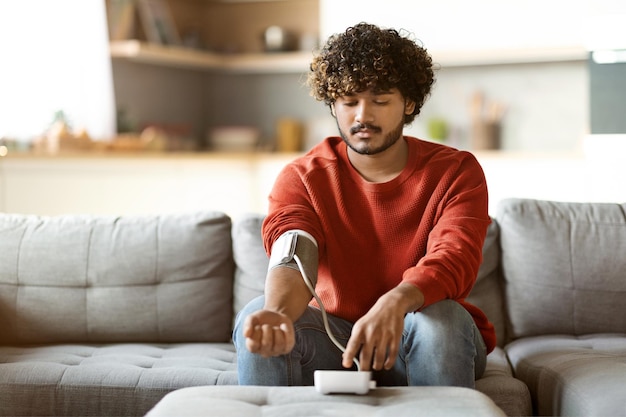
(371, 121)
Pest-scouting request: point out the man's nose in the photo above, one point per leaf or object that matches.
(364, 113)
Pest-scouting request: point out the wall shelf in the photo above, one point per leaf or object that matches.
(509, 56)
(298, 62)
(179, 57)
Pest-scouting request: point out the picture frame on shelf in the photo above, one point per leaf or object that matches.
(158, 23)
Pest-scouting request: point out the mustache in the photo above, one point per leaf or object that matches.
(361, 126)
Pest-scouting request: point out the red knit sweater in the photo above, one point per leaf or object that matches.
(425, 227)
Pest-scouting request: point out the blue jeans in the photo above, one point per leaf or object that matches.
(440, 345)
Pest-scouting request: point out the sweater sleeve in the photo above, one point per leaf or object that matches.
(290, 208)
(453, 255)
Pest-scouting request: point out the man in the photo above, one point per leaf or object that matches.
(389, 228)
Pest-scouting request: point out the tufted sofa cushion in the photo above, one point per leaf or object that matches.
(565, 270)
(573, 375)
(98, 380)
(115, 279)
(564, 266)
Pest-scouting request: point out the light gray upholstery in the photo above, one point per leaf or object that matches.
(251, 261)
(487, 293)
(565, 262)
(565, 274)
(106, 315)
(573, 375)
(115, 279)
(509, 393)
(305, 401)
(106, 380)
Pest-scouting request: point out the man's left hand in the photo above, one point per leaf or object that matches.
(378, 333)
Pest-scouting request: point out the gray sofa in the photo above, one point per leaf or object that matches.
(106, 315)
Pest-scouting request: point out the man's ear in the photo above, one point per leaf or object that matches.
(409, 106)
(332, 110)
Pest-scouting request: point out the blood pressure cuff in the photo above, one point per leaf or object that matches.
(296, 243)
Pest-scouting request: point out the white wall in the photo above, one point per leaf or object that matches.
(467, 25)
(547, 104)
(54, 57)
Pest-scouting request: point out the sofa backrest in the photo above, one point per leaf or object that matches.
(251, 261)
(251, 267)
(488, 294)
(564, 266)
(115, 279)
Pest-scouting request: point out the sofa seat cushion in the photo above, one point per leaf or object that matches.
(573, 375)
(306, 401)
(509, 393)
(119, 379)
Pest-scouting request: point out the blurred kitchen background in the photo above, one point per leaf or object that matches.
(214, 89)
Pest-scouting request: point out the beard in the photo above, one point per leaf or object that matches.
(365, 147)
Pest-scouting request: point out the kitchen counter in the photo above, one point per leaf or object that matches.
(134, 183)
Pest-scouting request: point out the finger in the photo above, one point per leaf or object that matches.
(279, 340)
(290, 337)
(392, 354)
(249, 326)
(365, 357)
(267, 337)
(379, 358)
(253, 341)
(350, 353)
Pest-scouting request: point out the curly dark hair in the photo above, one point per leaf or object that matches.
(367, 57)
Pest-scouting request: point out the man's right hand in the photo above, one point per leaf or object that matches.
(269, 333)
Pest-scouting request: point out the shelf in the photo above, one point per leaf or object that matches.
(179, 57)
(466, 58)
(298, 62)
